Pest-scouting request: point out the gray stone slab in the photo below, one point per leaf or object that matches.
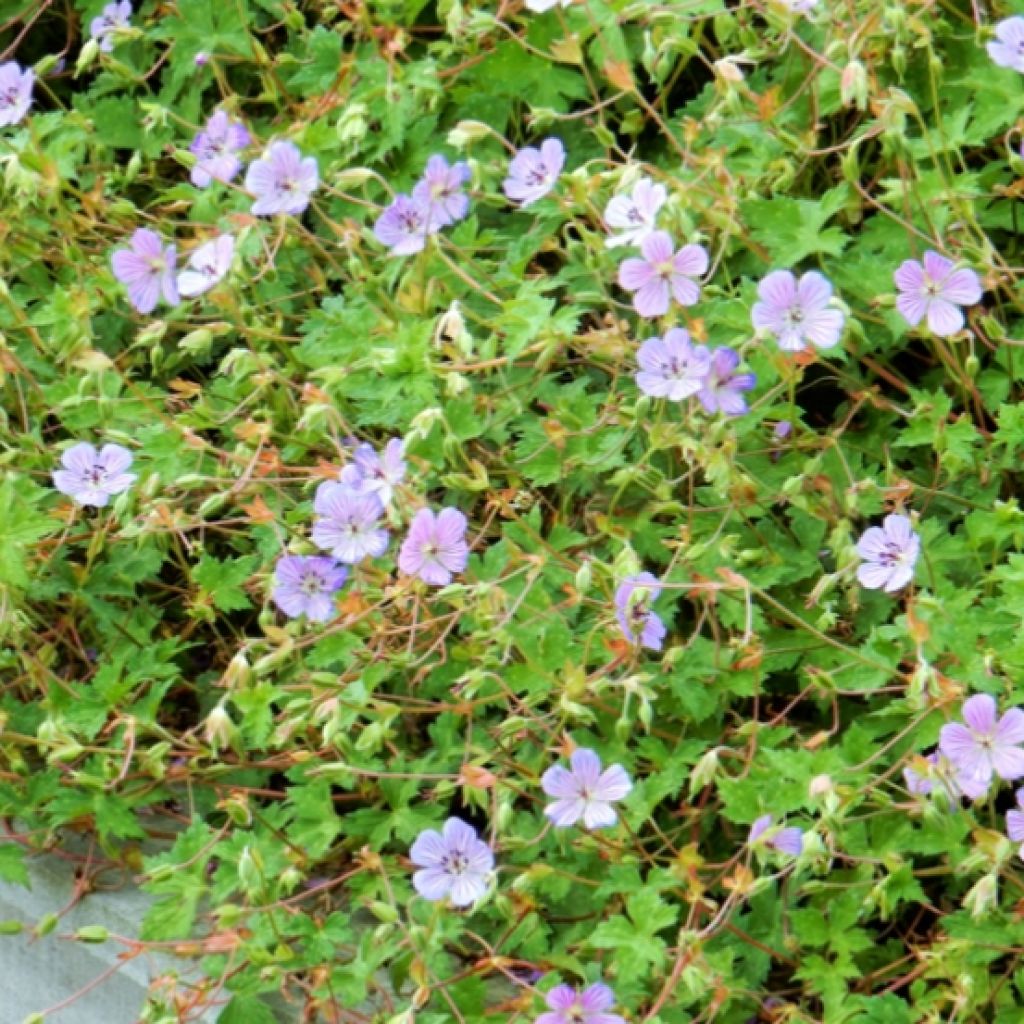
(38, 973)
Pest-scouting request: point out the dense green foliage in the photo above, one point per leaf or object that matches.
(847, 141)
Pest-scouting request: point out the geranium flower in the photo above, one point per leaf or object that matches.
(890, 554)
(147, 268)
(982, 746)
(1007, 49)
(662, 275)
(784, 840)
(671, 367)
(435, 547)
(439, 191)
(91, 477)
(370, 473)
(634, 216)
(404, 226)
(207, 266)
(15, 92)
(722, 389)
(935, 289)
(349, 524)
(798, 312)
(633, 599)
(584, 792)
(216, 150)
(1015, 822)
(568, 1006)
(105, 26)
(306, 585)
(454, 862)
(282, 180)
(533, 172)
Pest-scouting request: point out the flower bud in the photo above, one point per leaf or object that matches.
(219, 730)
(853, 85)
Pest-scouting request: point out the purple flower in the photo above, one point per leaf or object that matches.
(404, 226)
(584, 791)
(783, 840)
(349, 524)
(147, 268)
(216, 149)
(306, 585)
(201, 59)
(798, 312)
(533, 172)
(282, 180)
(936, 290)
(105, 27)
(370, 473)
(440, 191)
(454, 862)
(435, 547)
(662, 275)
(672, 368)
(984, 746)
(15, 92)
(633, 599)
(568, 1006)
(1015, 819)
(91, 477)
(634, 216)
(1007, 50)
(208, 266)
(723, 387)
(890, 554)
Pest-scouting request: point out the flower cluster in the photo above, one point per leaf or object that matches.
(437, 202)
(148, 269)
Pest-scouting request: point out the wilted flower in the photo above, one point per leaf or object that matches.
(216, 150)
(435, 547)
(282, 180)
(439, 191)
(722, 388)
(567, 1006)
(404, 226)
(454, 862)
(940, 771)
(349, 524)
(634, 216)
(936, 289)
(661, 275)
(798, 312)
(208, 266)
(890, 554)
(672, 368)
(633, 600)
(306, 585)
(15, 92)
(91, 477)
(533, 172)
(1007, 49)
(105, 26)
(983, 746)
(370, 473)
(584, 791)
(784, 840)
(147, 268)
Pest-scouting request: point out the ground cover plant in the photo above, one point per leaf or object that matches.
(509, 509)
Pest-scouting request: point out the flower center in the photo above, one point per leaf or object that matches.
(892, 555)
(665, 269)
(311, 585)
(97, 476)
(455, 863)
(536, 176)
